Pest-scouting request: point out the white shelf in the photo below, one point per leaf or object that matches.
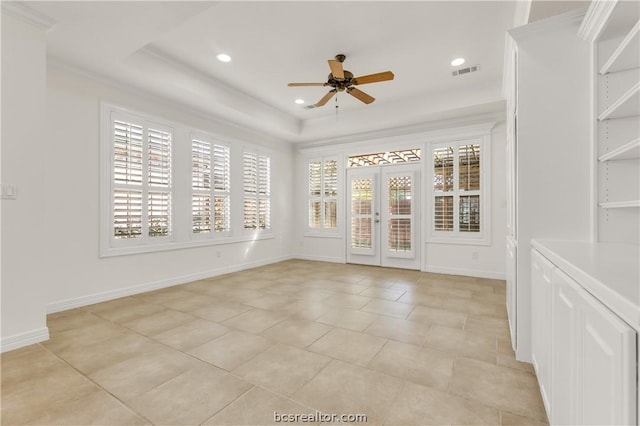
(627, 54)
(628, 151)
(620, 204)
(628, 105)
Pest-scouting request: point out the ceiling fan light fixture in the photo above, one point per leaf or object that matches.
(457, 62)
(299, 101)
(223, 57)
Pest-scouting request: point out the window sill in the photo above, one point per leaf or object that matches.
(200, 242)
(459, 241)
(333, 235)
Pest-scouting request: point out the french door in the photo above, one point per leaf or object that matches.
(383, 216)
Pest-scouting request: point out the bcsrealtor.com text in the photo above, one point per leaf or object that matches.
(318, 417)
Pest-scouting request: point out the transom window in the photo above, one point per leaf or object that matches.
(387, 157)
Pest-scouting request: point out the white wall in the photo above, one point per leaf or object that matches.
(441, 258)
(24, 280)
(76, 273)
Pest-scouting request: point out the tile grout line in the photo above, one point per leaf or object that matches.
(89, 379)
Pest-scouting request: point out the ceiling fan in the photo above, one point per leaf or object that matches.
(341, 80)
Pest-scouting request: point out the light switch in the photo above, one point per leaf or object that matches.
(9, 192)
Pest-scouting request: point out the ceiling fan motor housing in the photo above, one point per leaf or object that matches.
(340, 83)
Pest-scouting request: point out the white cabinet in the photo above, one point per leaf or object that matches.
(564, 354)
(583, 353)
(541, 323)
(512, 261)
(548, 167)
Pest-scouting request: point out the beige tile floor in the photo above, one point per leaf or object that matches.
(402, 347)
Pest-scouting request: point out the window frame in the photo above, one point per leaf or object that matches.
(322, 230)
(257, 231)
(212, 192)
(483, 237)
(110, 244)
(181, 206)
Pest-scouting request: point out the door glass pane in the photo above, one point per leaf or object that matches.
(400, 195)
(443, 169)
(361, 232)
(361, 192)
(400, 235)
(443, 214)
(469, 159)
(361, 200)
(470, 213)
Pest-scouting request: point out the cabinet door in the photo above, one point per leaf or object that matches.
(566, 314)
(541, 270)
(512, 291)
(594, 352)
(607, 371)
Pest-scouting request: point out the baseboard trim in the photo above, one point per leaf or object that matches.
(24, 339)
(332, 259)
(91, 299)
(465, 272)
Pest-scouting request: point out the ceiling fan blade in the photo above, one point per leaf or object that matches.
(306, 84)
(336, 68)
(373, 78)
(360, 95)
(326, 98)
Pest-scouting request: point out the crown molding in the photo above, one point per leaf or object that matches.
(548, 24)
(437, 129)
(26, 13)
(596, 19)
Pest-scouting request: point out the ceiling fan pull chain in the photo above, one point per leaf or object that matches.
(337, 106)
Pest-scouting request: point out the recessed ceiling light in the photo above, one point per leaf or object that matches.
(223, 57)
(457, 61)
(299, 101)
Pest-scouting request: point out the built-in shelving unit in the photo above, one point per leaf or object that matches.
(617, 123)
(627, 105)
(626, 55)
(620, 204)
(628, 151)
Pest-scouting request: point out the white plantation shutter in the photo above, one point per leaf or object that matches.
(141, 201)
(315, 194)
(257, 191)
(127, 153)
(322, 194)
(211, 187)
(159, 158)
(127, 214)
(457, 189)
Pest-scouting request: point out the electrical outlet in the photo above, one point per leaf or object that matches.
(9, 192)
(474, 255)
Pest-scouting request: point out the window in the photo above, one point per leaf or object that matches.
(387, 157)
(211, 188)
(141, 181)
(143, 159)
(257, 191)
(323, 194)
(459, 188)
